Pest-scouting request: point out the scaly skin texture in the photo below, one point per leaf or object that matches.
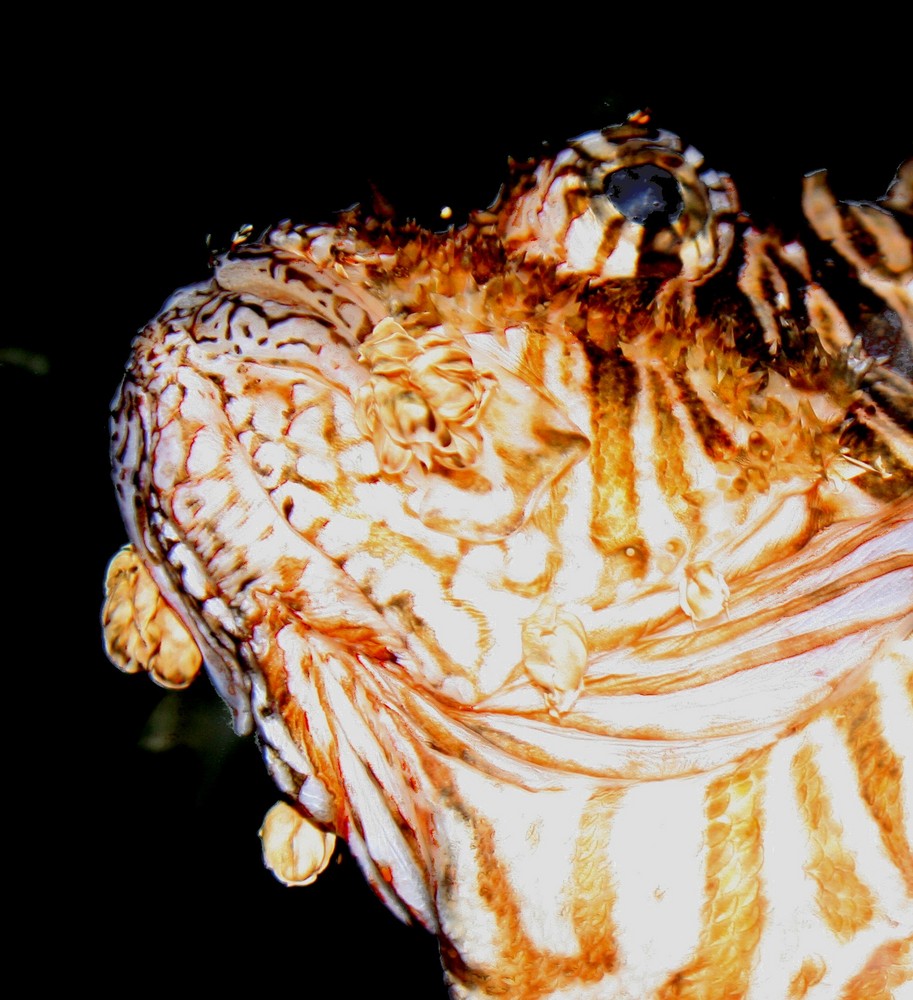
(563, 564)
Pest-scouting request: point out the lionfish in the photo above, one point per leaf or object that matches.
(563, 564)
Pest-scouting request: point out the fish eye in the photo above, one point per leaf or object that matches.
(646, 194)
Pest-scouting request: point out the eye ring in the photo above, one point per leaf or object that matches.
(626, 202)
(643, 179)
(645, 194)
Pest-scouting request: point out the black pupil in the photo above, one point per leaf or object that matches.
(646, 195)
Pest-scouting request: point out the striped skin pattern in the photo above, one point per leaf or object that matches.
(564, 565)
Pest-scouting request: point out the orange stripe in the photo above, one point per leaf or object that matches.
(879, 771)
(846, 903)
(524, 971)
(713, 436)
(671, 475)
(734, 908)
(593, 889)
(890, 965)
(707, 642)
(614, 526)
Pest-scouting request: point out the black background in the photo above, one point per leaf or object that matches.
(136, 811)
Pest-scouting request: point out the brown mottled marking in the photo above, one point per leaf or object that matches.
(810, 974)
(893, 478)
(890, 965)
(879, 771)
(423, 632)
(382, 540)
(733, 913)
(845, 902)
